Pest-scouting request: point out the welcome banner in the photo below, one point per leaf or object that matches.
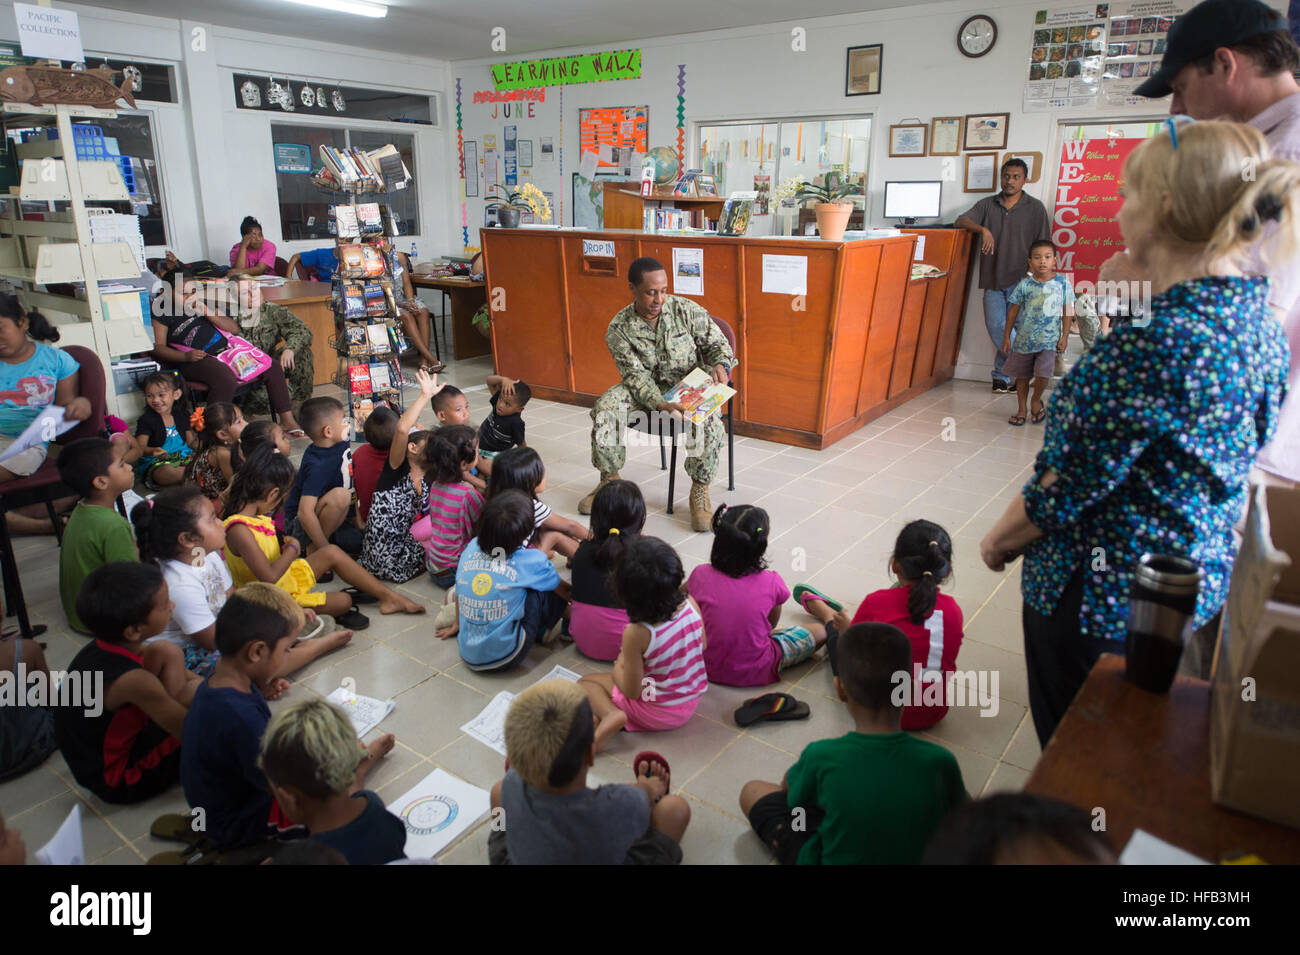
(567, 70)
(1085, 228)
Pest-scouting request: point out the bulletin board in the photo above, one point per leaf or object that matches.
(617, 126)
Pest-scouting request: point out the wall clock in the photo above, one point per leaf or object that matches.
(977, 35)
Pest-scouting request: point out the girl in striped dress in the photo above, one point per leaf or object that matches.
(454, 505)
(659, 675)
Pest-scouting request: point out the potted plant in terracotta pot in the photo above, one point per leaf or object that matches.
(833, 205)
(526, 197)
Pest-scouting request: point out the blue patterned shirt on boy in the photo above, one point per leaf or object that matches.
(1042, 309)
(1152, 436)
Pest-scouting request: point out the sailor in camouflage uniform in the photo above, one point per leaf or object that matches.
(655, 342)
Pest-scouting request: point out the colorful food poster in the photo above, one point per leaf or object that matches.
(1138, 33)
(1066, 53)
(613, 126)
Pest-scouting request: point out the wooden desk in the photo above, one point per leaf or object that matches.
(1145, 759)
(812, 369)
(310, 301)
(467, 297)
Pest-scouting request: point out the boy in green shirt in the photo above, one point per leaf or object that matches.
(96, 534)
(870, 797)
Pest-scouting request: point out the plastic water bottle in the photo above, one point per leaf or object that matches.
(415, 253)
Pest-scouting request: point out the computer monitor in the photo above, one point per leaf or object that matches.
(912, 200)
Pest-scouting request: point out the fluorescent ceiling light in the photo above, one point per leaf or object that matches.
(362, 8)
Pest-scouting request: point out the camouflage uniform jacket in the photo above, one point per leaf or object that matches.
(650, 361)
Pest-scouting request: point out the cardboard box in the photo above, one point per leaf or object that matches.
(1255, 716)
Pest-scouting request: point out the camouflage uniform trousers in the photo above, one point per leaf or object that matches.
(616, 410)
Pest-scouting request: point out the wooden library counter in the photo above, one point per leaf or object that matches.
(813, 368)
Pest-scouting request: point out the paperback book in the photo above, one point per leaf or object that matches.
(359, 377)
(345, 222)
(355, 337)
(369, 219)
(378, 335)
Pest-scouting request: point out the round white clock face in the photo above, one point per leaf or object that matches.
(977, 36)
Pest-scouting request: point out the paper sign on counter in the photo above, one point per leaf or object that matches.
(688, 271)
(785, 274)
(597, 249)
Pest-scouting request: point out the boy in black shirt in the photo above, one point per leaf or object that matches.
(503, 428)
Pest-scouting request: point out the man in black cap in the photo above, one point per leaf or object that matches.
(1235, 59)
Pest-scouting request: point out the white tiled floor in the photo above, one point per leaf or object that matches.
(947, 456)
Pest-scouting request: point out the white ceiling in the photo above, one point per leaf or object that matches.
(461, 29)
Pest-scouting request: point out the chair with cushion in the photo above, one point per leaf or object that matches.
(45, 486)
(656, 425)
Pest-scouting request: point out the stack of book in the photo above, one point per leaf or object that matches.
(379, 170)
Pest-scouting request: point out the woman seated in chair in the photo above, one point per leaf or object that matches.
(33, 376)
(190, 336)
(411, 312)
(252, 254)
(282, 335)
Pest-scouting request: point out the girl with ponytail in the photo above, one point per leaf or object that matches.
(33, 376)
(599, 618)
(740, 601)
(931, 620)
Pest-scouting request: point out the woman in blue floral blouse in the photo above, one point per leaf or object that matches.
(1151, 436)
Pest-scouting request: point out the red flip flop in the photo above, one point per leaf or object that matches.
(650, 756)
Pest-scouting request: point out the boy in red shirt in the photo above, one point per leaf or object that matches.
(368, 460)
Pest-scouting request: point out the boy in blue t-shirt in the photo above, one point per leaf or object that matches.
(319, 509)
(325, 261)
(507, 593)
(1039, 310)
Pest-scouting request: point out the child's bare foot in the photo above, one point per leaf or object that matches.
(336, 639)
(652, 776)
(396, 603)
(374, 753)
(445, 632)
(276, 688)
(607, 728)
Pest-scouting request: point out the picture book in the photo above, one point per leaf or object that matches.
(700, 395)
(359, 376)
(736, 212)
(378, 335)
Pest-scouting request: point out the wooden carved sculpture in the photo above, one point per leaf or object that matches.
(47, 85)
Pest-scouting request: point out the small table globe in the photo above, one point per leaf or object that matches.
(667, 166)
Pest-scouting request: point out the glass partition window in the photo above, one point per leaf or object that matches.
(304, 207)
(761, 155)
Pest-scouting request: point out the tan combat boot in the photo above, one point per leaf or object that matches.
(584, 506)
(701, 508)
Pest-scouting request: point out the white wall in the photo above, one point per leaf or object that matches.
(216, 160)
(753, 73)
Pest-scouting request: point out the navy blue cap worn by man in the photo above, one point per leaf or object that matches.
(1205, 28)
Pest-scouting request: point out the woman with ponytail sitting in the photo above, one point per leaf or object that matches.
(33, 375)
(598, 619)
(740, 601)
(932, 621)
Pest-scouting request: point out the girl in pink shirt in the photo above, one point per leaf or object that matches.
(454, 506)
(659, 675)
(740, 600)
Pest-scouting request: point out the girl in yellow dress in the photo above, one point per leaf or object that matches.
(254, 551)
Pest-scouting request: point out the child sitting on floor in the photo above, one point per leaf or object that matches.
(1039, 310)
(315, 767)
(740, 601)
(932, 621)
(319, 509)
(871, 797)
(162, 434)
(96, 534)
(254, 551)
(454, 505)
(263, 432)
(217, 428)
(452, 407)
(522, 469)
(508, 595)
(659, 675)
(503, 428)
(180, 532)
(368, 460)
(122, 740)
(554, 817)
(401, 496)
(598, 619)
(1018, 829)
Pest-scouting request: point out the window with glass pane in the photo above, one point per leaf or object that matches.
(304, 207)
(762, 155)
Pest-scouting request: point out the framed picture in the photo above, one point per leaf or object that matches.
(981, 172)
(986, 131)
(862, 70)
(907, 140)
(705, 185)
(945, 136)
(1033, 160)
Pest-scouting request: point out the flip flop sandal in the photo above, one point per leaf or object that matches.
(296, 433)
(1039, 416)
(326, 577)
(360, 596)
(804, 591)
(352, 620)
(771, 706)
(1016, 421)
(650, 756)
(175, 827)
(316, 632)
